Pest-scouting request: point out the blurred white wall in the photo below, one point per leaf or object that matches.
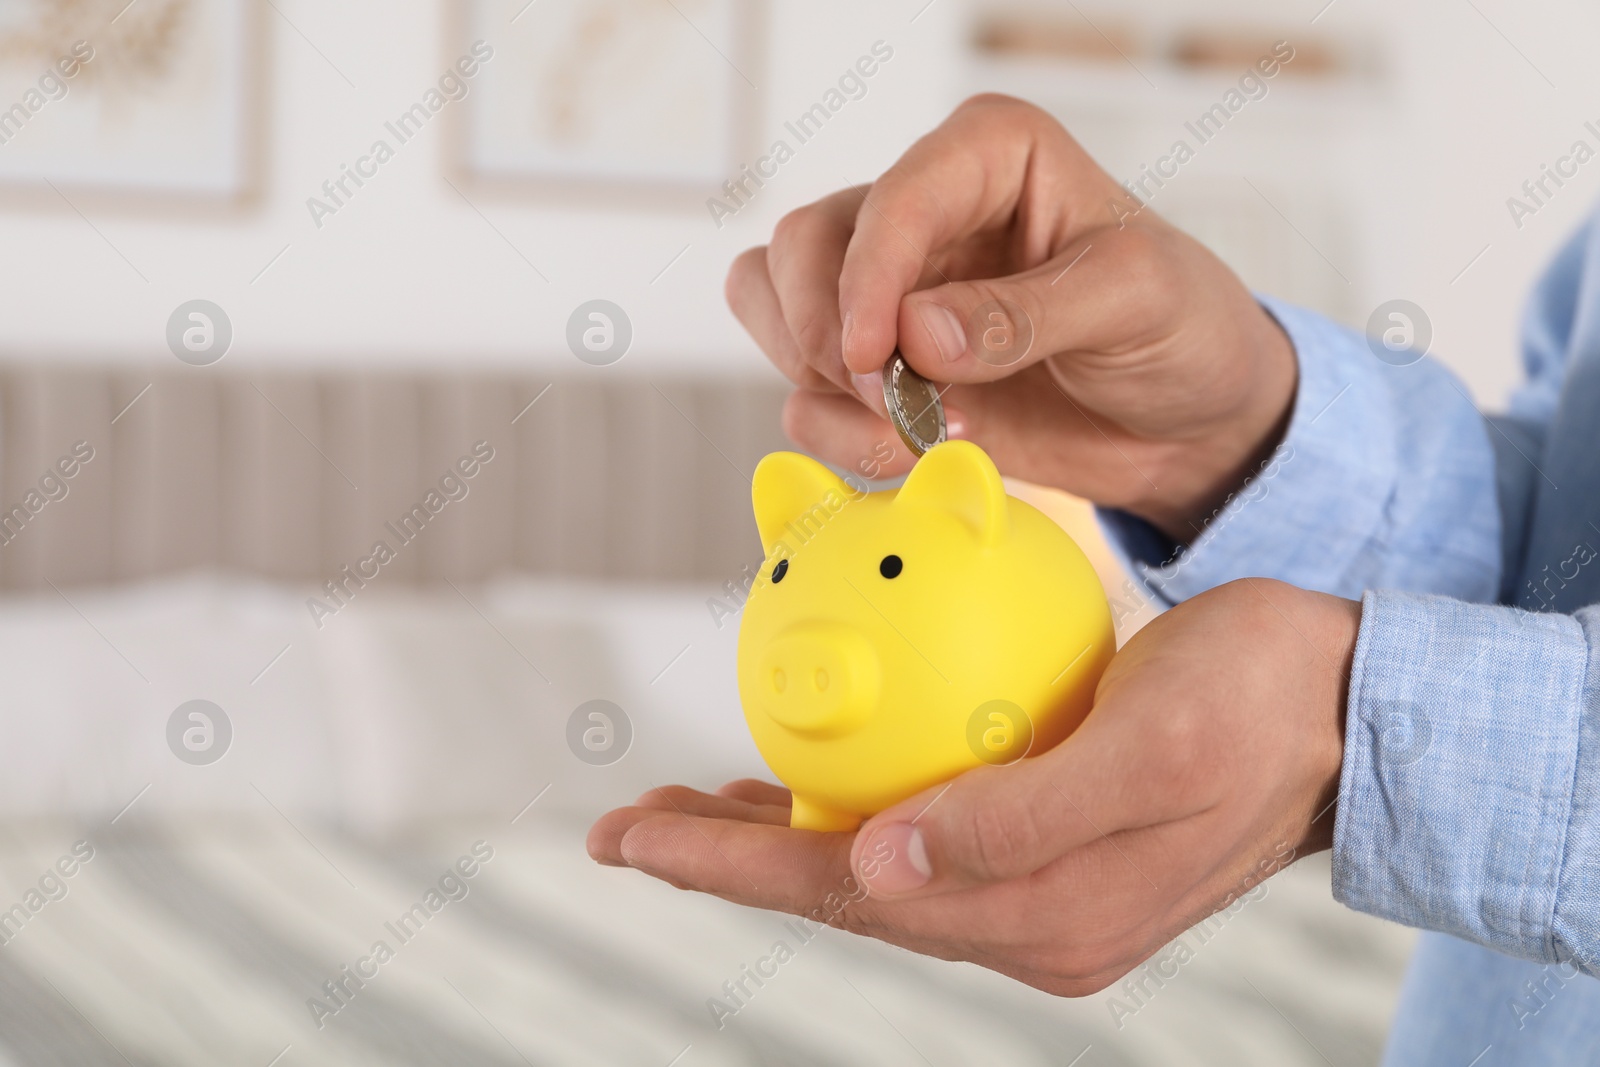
(1478, 118)
(1416, 165)
(408, 273)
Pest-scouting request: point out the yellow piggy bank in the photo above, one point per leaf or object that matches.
(896, 639)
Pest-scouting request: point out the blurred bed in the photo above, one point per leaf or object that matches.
(371, 757)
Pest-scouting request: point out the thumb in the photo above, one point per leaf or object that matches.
(993, 824)
(1082, 299)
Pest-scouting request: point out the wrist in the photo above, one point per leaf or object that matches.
(1206, 471)
(1336, 627)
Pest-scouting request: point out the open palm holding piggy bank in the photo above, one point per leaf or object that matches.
(897, 639)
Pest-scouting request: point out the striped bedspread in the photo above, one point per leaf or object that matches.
(153, 941)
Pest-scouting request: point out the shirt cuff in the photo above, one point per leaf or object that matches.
(1576, 924)
(1461, 753)
(1339, 450)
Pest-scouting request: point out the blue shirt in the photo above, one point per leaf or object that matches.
(1469, 802)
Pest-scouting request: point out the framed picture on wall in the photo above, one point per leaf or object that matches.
(642, 95)
(152, 97)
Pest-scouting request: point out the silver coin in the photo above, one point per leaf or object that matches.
(914, 405)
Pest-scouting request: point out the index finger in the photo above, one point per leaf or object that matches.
(991, 160)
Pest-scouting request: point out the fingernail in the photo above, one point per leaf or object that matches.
(946, 330)
(849, 328)
(870, 387)
(895, 859)
(955, 424)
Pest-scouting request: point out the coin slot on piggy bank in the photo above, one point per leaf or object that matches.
(896, 639)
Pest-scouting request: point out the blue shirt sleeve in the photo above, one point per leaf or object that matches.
(1469, 801)
(1519, 435)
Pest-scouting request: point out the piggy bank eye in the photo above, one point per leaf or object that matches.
(890, 567)
(779, 571)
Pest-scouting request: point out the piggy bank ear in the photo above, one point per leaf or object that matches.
(788, 485)
(959, 477)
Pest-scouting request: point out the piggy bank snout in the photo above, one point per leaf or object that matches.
(818, 678)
